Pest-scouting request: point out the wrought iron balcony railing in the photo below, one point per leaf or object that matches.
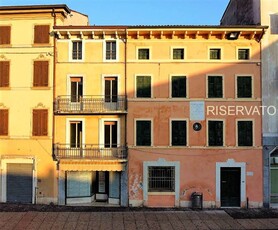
(90, 104)
(89, 151)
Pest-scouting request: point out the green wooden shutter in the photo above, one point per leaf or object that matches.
(178, 86)
(143, 133)
(215, 133)
(244, 87)
(245, 133)
(143, 84)
(178, 133)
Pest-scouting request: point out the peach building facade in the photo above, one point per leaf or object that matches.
(186, 88)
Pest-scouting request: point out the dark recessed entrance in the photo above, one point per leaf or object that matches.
(230, 187)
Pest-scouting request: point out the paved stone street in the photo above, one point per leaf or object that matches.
(215, 219)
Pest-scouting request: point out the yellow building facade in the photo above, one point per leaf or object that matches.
(90, 114)
(28, 172)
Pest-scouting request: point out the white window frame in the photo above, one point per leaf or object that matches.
(252, 85)
(104, 50)
(224, 132)
(101, 130)
(135, 86)
(71, 49)
(135, 129)
(4, 163)
(68, 120)
(170, 131)
(253, 132)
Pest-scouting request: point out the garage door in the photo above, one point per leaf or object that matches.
(20, 183)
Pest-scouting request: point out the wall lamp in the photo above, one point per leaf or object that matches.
(232, 35)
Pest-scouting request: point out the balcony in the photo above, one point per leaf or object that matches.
(90, 105)
(89, 152)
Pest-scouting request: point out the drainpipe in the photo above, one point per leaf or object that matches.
(54, 77)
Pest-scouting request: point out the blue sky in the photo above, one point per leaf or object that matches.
(141, 12)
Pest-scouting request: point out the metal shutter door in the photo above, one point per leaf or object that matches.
(20, 183)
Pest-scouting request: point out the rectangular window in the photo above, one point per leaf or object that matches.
(178, 54)
(40, 122)
(4, 122)
(215, 87)
(178, 133)
(76, 89)
(40, 78)
(76, 50)
(244, 87)
(161, 179)
(143, 86)
(215, 133)
(243, 54)
(245, 133)
(215, 54)
(4, 73)
(143, 54)
(5, 35)
(75, 134)
(143, 133)
(110, 50)
(41, 34)
(178, 86)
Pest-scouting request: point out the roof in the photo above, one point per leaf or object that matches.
(36, 7)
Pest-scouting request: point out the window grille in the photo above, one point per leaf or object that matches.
(161, 179)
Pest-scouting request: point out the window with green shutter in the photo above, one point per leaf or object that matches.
(215, 54)
(143, 133)
(243, 54)
(215, 133)
(178, 86)
(143, 54)
(178, 54)
(178, 133)
(215, 87)
(77, 50)
(143, 86)
(245, 133)
(244, 87)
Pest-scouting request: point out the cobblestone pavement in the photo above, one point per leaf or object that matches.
(216, 219)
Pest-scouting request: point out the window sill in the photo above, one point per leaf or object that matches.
(41, 44)
(40, 88)
(40, 137)
(4, 137)
(5, 45)
(5, 88)
(161, 193)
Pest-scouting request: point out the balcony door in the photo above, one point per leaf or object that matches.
(76, 88)
(110, 134)
(111, 92)
(76, 134)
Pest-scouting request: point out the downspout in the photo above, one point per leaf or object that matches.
(54, 79)
(53, 99)
(125, 69)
